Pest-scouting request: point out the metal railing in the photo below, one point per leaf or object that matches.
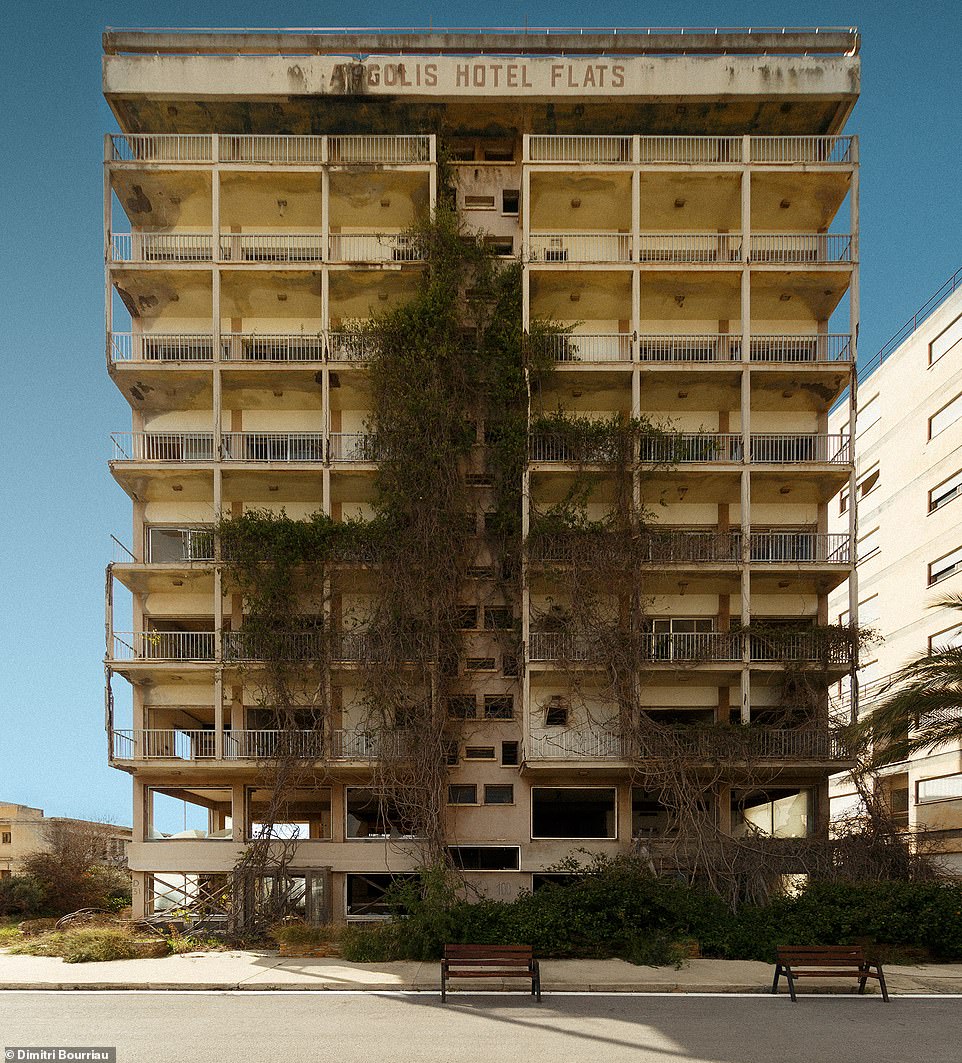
(798, 547)
(272, 347)
(161, 247)
(710, 248)
(780, 448)
(834, 347)
(352, 447)
(579, 247)
(589, 347)
(800, 248)
(801, 647)
(656, 647)
(241, 646)
(707, 347)
(374, 247)
(584, 743)
(691, 150)
(267, 148)
(161, 347)
(392, 150)
(274, 446)
(810, 149)
(271, 247)
(163, 646)
(350, 347)
(121, 554)
(258, 148)
(688, 448)
(161, 147)
(736, 743)
(576, 148)
(261, 745)
(164, 744)
(163, 446)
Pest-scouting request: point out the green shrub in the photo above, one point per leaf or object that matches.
(305, 935)
(83, 945)
(22, 896)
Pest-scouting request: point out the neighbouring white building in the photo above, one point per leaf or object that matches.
(909, 541)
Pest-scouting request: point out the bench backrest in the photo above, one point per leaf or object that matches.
(491, 953)
(821, 954)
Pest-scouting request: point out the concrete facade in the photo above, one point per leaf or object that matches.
(692, 219)
(909, 447)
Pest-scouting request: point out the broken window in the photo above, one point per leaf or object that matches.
(486, 857)
(303, 813)
(462, 794)
(370, 815)
(366, 895)
(573, 812)
(498, 707)
(499, 794)
(510, 754)
(776, 813)
(462, 707)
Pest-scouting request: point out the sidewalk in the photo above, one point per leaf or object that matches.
(268, 971)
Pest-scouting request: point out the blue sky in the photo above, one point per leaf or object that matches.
(59, 505)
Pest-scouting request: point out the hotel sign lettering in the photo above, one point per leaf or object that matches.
(494, 76)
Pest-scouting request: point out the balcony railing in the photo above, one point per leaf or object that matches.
(693, 150)
(350, 347)
(161, 347)
(168, 744)
(353, 447)
(690, 647)
(800, 248)
(200, 745)
(267, 148)
(272, 247)
(185, 447)
(814, 149)
(274, 446)
(374, 247)
(272, 347)
(588, 347)
(835, 347)
(173, 546)
(707, 347)
(781, 448)
(161, 247)
(585, 744)
(163, 646)
(398, 150)
(705, 248)
(799, 547)
(579, 247)
(241, 646)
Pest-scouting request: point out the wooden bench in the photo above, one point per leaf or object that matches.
(490, 961)
(826, 961)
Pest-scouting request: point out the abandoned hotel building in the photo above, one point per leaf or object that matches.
(684, 209)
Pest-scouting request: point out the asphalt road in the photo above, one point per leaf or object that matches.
(172, 1027)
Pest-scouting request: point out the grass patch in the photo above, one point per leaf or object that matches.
(306, 935)
(182, 943)
(9, 934)
(83, 945)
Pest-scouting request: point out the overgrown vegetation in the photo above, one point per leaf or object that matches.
(615, 908)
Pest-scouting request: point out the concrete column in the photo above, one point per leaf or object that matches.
(854, 311)
(238, 813)
(138, 894)
(746, 428)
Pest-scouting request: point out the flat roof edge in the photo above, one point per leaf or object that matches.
(540, 41)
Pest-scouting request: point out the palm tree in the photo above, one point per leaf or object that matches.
(921, 707)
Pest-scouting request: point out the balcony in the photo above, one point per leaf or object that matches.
(727, 347)
(696, 448)
(737, 743)
(161, 247)
(272, 247)
(374, 247)
(161, 347)
(261, 149)
(707, 347)
(690, 248)
(164, 645)
(692, 151)
(285, 447)
(791, 249)
(200, 745)
(579, 247)
(177, 447)
(587, 347)
(272, 347)
(350, 347)
(353, 448)
(695, 647)
(245, 646)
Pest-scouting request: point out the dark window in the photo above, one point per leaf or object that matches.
(479, 664)
(510, 754)
(547, 880)
(468, 617)
(498, 618)
(573, 812)
(510, 666)
(500, 245)
(499, 794)
(6, 838)
(498, 707)
(486, 857)
(479, 202)
(479, 752)
(462, 707)
(510, 201)
(366, 893)
(556, 713)
(372, 816)
(462, 794)
(452, 756)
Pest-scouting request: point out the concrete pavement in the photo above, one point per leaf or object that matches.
(253, 970)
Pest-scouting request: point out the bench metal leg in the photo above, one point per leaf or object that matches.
(778, 971)
(882, 985)
(791, 984)
(443, 986)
